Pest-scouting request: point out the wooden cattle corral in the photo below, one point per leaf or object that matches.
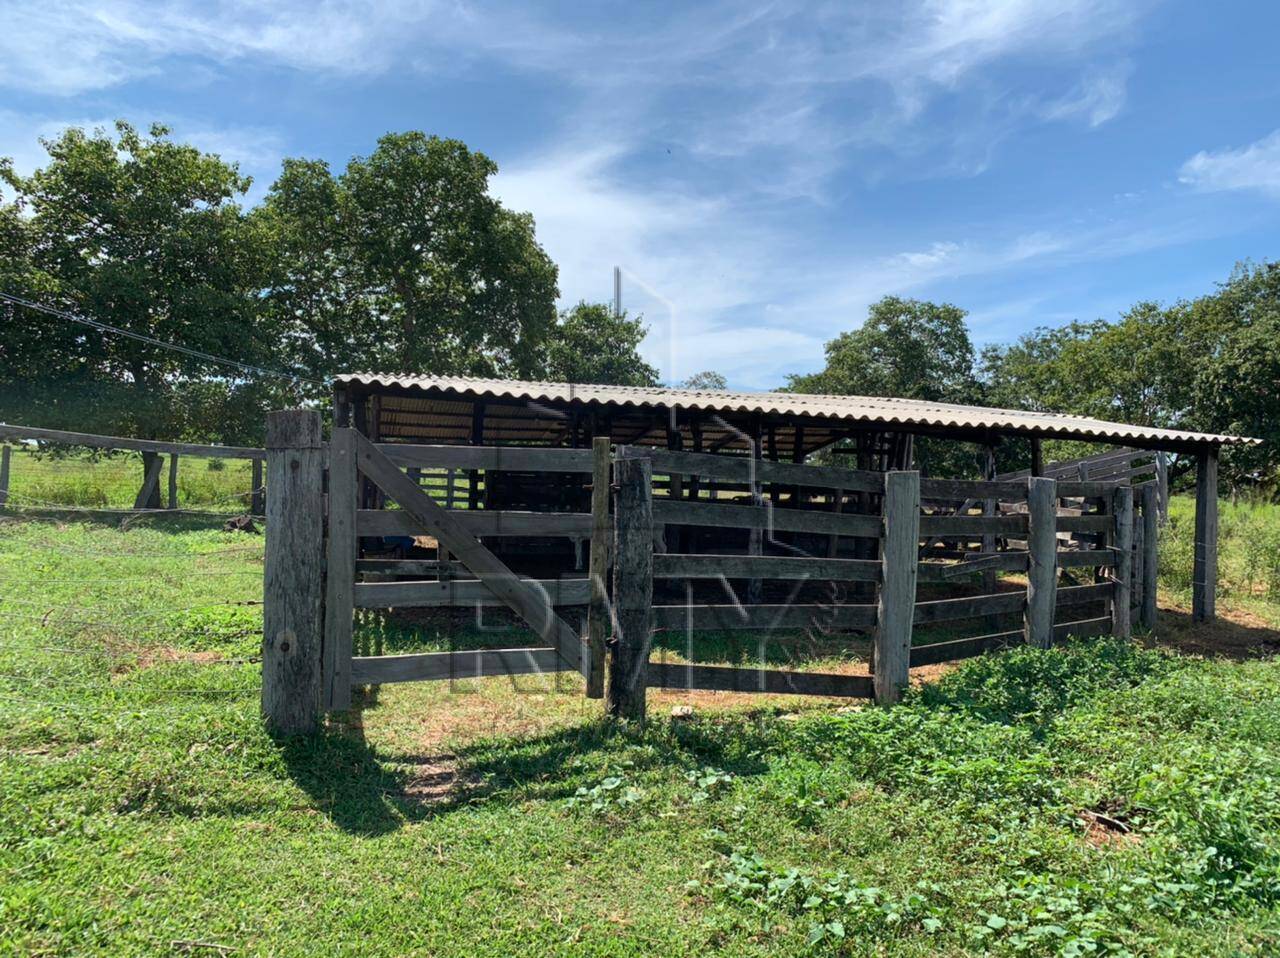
(904, 551)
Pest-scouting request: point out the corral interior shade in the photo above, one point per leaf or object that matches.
(441, 409)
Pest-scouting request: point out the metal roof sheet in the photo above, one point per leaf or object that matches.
(870, 409)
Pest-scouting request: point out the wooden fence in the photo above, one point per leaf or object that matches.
(157, 449)
(908, 561)
(959, 545)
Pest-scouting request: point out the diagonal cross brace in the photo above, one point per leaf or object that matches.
(528, 601)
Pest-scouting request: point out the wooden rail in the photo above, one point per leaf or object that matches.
(27, 433)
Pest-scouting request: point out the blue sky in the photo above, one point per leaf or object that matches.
(761, 172)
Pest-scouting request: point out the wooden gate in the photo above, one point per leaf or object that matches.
(352, 456)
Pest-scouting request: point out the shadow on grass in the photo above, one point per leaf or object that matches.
(1239, 641)
(123, 520)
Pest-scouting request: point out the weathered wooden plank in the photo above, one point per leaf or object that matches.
(1082, 629)
(765, 517)
(668, 566)
(946, 526)
(899, 551)
(410, 567)
(482, 522)
(1085, 558)
(340, 572)
(668, 675)
(962, 489)
(943, 610)
(1121, 601)
(489, 458)
(1081, 594)
(1150, 554)
(454, 536)
(433, 666)
(1204, 576)
(957, 649)
(138, 445)
(1042, 572)
(598, 564)
(746, 617)
(1101, 523)
(747, 469)
(632, 589)
(462, 592)
(293, 579)
(1074, 489)
(973, 562)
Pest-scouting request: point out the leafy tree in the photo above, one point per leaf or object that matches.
(705, 380)
(592, 345)
(911, 349)
(907, 348)
(405, 262)
(148, 234)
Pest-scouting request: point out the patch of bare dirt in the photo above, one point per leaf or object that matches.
(434, 779)
(164, 655)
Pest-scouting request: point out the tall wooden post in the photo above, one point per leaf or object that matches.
(598, 567)
(1037, 457)
(1162, 485)
(5, 453)
(293, 582)
(340, 571)
(1123, 545)
(1150, 551)
(899, 555)
(257, 500)
(990, 507)
(632, 588)
(1042, 572)
(1204, 578)
(755, 537)
(173, 480)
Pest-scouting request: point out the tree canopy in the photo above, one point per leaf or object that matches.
(592, 345)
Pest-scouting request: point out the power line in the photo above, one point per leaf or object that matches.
(107, 328)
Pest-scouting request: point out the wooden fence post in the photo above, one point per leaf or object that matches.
(1150, 553)
(632, 588)
(293, 582)
(5, 453)
(1123, 545)
(598, 568)
(173, 480)
(1162, 486)
(1204, 577)
(340, 571)
(899, 555)
(256, 498)
(1042, 571)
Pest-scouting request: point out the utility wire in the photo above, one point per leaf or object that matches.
(107, 328)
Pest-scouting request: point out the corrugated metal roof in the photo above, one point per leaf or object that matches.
(869, 409)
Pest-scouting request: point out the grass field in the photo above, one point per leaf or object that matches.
(1104, 798)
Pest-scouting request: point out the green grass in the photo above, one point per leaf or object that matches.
(1249, 554)
(143, 805)
(112, 481)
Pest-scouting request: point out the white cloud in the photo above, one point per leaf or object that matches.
(1099, 97)
(70, 46)
(1252, 167)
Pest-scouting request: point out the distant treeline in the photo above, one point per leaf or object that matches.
(404, 261)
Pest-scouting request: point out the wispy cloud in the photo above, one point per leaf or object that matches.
(1252, 167)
